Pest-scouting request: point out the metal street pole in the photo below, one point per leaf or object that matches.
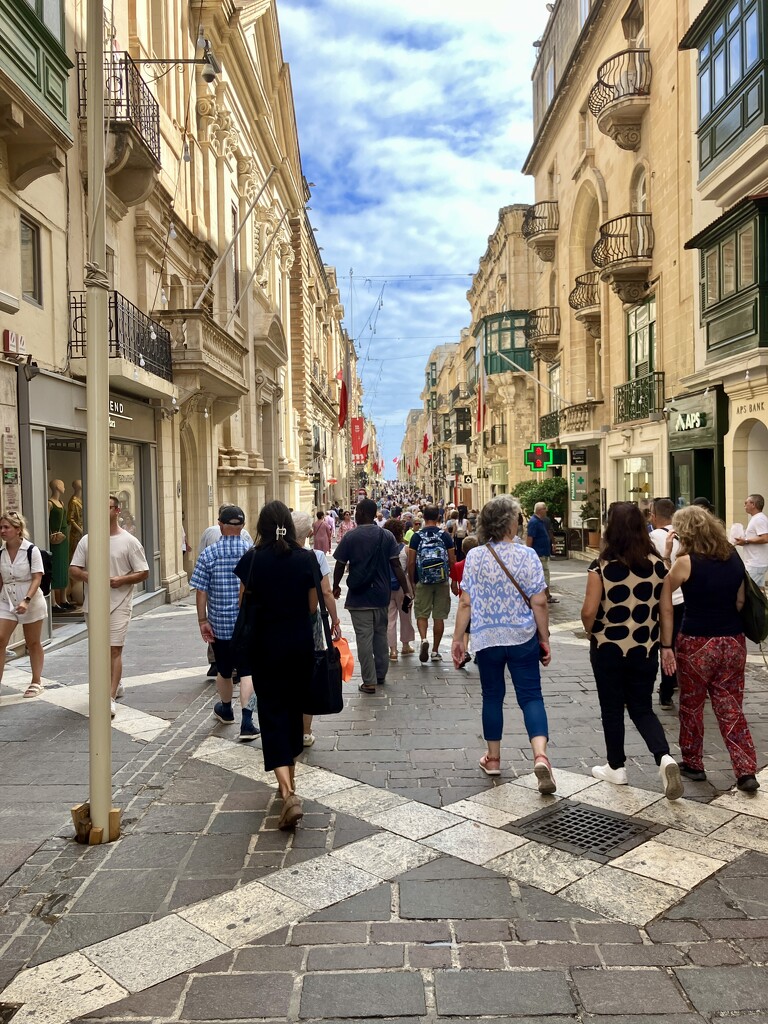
(97, 401)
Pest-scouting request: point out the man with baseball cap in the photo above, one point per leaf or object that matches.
(216, 600)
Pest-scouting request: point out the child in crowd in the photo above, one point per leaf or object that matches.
(457, 575)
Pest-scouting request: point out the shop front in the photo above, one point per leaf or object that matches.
(696, 427)
(53, 452)
(746, 442)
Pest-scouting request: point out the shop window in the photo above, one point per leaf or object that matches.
(636, 480)
(31, 278)
(641, 339)
(125, 483)
(549, 82)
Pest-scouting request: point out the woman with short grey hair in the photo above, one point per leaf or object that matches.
(302, 522)
(504, 593)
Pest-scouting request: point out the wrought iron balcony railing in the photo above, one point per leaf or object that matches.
(638, 398)
(623, 75)
(586, 294)
(549, 426)
(541, 218)
(132, 334)
(624, 238)
(499, 433)
(128, 98)
(543, 323)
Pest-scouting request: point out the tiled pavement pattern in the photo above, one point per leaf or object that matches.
(392, 908)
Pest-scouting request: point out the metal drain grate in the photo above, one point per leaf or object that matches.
(579, 829)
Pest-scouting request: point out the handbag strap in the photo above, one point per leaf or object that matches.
(506, 570)
(321, 606)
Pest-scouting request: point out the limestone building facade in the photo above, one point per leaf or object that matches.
(612, 319)
(222, 313)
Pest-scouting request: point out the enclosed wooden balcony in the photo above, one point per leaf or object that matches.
(624, 255)
(34, 116)
(621, 95)
(584, 300)
(540, 226)
(133, 118)
(543, 333)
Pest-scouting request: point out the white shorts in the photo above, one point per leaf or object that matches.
(37, 610)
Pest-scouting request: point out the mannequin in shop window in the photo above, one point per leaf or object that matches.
(75, 523)
(57, 538)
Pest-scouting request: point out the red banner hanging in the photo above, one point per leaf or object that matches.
(358, 430)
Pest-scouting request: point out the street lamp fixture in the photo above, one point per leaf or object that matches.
(211, 66)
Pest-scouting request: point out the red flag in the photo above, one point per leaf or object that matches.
(343, 401)
(427, 436)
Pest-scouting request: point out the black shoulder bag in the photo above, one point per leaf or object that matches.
(754, 611)
(243, 640)
(324, 695)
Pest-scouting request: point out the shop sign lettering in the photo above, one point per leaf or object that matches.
(116, 407)
(690, 421)
(747, 407)
(14, 343)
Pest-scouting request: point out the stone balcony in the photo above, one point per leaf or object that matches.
(540, 227)
(623, 254)
(580, 418)
(621, 95)
(542, 333)
(205, 357)
(584, 300)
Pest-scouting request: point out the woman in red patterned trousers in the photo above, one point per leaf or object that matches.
(710, 653)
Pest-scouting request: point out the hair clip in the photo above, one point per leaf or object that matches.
(280, 531)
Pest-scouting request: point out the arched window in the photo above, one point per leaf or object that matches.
(639, 197)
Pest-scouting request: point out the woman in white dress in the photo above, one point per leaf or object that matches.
(21, 600)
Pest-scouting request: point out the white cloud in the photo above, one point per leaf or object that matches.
(414, 120)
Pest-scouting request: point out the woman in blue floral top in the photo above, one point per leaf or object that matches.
(510, 629)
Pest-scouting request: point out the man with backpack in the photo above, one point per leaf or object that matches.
(430, 556)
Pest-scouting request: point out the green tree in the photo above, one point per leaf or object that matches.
(553, 490)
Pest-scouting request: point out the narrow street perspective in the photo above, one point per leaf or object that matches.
(383, 531)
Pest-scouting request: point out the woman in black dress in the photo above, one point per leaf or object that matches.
(278, 582)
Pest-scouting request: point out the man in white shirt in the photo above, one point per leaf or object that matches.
(755, 539)
(127, 567)
(666, 543)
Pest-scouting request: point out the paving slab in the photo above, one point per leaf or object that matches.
(362, 995)
(725, 989)
(621, 992)
(480, 992)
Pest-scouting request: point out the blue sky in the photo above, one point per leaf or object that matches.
(414, 119)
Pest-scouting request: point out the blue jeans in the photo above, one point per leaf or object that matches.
(522, 660)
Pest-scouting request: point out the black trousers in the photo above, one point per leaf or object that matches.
(627, 682)
(668, 684)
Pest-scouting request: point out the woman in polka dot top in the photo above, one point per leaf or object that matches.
(621, 615)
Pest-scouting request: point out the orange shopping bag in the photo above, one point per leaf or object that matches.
(347, 659)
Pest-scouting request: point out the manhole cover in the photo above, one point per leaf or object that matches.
(586, 831)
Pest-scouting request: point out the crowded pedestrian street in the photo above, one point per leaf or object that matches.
(415, 888)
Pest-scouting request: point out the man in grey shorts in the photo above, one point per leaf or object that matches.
(431, 582)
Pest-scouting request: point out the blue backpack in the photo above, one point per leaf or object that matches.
(432, 559)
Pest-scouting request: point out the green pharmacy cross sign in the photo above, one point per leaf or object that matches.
(538, 457)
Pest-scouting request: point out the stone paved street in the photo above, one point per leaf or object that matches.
(414, 889)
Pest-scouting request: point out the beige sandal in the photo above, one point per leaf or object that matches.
(34, 690)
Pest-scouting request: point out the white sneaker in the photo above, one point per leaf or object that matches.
(120, 691)
(309, 739)
(436, 656)
(669, 770)
(604, 772)
(113, 708)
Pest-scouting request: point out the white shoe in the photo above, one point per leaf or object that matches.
(604, 772)
(113, 708)
(669, 770)
(436, 656)
(309, 739)
(120, 691)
